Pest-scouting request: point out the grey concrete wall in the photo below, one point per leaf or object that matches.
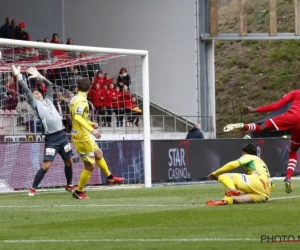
(166, 28)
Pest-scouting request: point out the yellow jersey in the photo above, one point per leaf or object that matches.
(254, 165)
(81, 126)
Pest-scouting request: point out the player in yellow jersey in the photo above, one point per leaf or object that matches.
(88, 150)
(253, 187)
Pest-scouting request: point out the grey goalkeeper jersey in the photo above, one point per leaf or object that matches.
(45, 110)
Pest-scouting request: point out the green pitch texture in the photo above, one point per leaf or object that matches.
(168, 217)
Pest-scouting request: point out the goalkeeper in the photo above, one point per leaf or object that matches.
(85, 145)
(56, 140)
(252, 187)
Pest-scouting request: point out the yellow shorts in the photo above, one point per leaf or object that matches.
(256, 187)
(86, 150)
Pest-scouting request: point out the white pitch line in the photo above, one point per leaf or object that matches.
(107, 205)
(128, 240)
(285, 197)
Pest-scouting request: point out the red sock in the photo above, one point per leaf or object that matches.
(293, 157)
(252, 127)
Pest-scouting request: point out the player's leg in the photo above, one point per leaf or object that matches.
(85, 151)
(39, 176)
(66, 154)
(101, 163)
(292, 159)
(243, 198)
(52, 147)
(251, 127)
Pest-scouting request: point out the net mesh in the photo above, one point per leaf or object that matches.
(120, 119)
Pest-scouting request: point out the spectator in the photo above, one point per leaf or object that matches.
(110, 102)
(124, 78)
(69, 97)
(83, 70)
(99, 79)
(107, 80)
(20, 33)
(11, 85)
(74, 89)
(114, 81)
(55, 38)
(73, 76)
(27, 116)
(96, 95)
(135, 113)
(10, 103)
(70, 41)
(46, 40)
(63, 110)
(195, 132)
(14, 27)
(41, 87)
(6, 29)
(104, 119)
(120, 107)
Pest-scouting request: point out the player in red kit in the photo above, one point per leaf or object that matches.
(290, 120)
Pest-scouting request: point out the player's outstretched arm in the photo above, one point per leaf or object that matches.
(17, 73)
(226, 168)
(49, 87)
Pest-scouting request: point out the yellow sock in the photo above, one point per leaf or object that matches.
(83, 179)
(228, 199)
(226, 181)
(103, 166)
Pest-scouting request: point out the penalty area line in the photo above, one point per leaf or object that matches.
(129, 240)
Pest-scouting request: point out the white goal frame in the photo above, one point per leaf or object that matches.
(145, 78)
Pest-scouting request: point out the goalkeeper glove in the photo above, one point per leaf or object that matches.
(34, 74)
(16, 72)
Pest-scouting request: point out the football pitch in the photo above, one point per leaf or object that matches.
(162, 217)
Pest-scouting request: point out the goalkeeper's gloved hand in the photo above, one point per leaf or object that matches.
(16, 72)
(34, 74)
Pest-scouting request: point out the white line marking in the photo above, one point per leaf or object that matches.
(107, 205)
(285, 197)
(128, 240)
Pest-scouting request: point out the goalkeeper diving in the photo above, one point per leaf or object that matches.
(56, 141)
(253, 187)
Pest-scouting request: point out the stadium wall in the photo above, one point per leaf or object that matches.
(166, 28)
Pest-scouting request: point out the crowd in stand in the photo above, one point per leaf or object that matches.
(108, 95)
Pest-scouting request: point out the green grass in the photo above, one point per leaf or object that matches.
(173, 217)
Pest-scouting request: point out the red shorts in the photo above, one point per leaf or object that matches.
(287, 121)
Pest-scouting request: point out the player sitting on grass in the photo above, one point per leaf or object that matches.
(287, 121)
(56, 140)
(255, 186)
(82, 130)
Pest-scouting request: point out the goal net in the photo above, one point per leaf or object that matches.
(118, 101)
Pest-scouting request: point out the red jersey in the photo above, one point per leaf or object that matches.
(120, 99)
(107, 81)
(98, 80)
(97, 97)
(292, 96)
(108, 101)
(127, 99)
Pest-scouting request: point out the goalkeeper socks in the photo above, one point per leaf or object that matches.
(83, 179)
(252, 127)
(69, 174)
(226, 181)
(293, 157)
(103, 166)
(38, 178)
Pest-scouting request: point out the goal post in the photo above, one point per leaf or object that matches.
(50, 56)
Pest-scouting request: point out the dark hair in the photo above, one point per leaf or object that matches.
(55, 34)
(122, 70)
(84, 84)
(250, 149)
